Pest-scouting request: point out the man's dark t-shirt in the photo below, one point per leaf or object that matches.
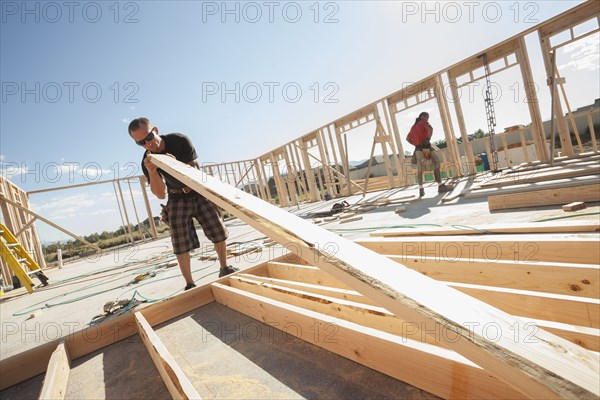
(180, 146)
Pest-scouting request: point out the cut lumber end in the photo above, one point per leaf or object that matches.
(577, 205)
(352, 219)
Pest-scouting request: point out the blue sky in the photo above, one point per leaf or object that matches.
(72, 79)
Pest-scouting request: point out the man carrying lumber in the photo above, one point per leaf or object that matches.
(183, 204)
(420, 137)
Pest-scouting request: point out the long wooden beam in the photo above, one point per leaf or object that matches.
(434, 369)
(535, 227)
(535, 369)
(178, 385)
(531, 248)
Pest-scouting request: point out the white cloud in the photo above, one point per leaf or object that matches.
(93, 174)
(12, 170)
(71, 206)
(584, 54)
(102, 212)
(2, 157)
(125, 120)
(69, 168)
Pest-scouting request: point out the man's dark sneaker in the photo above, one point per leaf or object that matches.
(227, 270)
(189, 286)
(443, 188)
(421, 192)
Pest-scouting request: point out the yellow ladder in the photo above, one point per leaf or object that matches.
(16, 257)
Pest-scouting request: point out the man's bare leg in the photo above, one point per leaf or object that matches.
(221, 250)
(183, 260)
(437, 175)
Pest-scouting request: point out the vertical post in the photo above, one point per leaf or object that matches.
(291, 176)
(338, 186)
(282, 192)
(447, 124)
(310, 175)
(299, 170)
(592, 132)
(399, 147)
(59, 258)
(563, 129)
(537, 127)
(326, 172)
(125, 211)
(148, 209)
(382, 138)
(344, 156)
(137, 218)
(467, 147)
(393, 147)
(265, 177)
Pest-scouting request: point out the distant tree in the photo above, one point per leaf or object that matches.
(479, 134)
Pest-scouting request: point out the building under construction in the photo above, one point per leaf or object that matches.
(351, 286)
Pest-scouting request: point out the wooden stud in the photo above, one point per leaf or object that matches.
(561, 123)
(344, 158)
(148, 208)
(592, 132)
(399, 147)
(309, 172)
(467, 146)
(448, 128)
(569, 113)
(177, 383)
(57, 374)
(325, 162)
(335, 158)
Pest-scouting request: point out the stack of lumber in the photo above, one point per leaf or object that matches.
(543, 184)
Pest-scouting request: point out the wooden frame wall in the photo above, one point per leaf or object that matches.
(430, 88)
(16, 212)
(20, 223)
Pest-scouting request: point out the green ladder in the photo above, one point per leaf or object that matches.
(17, 257)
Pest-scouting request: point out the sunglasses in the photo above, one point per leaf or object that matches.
(146, 139)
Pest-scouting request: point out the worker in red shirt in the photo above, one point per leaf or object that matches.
(420, 137)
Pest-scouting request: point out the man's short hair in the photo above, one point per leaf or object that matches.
(138, 123)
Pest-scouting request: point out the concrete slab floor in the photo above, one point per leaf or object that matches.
(78, 292)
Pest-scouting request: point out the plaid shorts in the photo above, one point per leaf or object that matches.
(181, 210)
(423, 163)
